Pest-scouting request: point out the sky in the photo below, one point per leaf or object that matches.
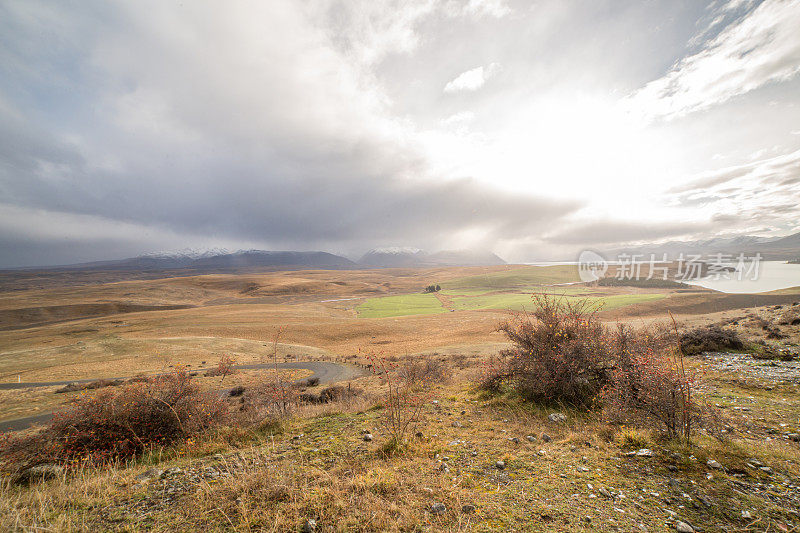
(534, 129)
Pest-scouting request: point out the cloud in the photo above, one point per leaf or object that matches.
(605, 232)
(765, 192)
(752, 51)
(216, 129)
(471, 80)
(493, 8)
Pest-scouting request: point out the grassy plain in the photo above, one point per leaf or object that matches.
(315, 464)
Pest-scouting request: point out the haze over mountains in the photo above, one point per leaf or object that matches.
(770, 248)
(217, 259)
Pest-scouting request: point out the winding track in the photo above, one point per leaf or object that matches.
(326, 373)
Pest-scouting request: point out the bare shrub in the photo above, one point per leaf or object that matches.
(559, 353)
(425, 368)
(97, 384)
(225, 367)
(710, 339)
(335, 393)
(118, 423)
(407, 390)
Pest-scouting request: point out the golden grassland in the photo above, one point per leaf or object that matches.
(329, 473)
(316, 465)
(239, 314)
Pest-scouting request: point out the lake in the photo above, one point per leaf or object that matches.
(772, 275)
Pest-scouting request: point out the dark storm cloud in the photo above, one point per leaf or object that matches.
(139, 126)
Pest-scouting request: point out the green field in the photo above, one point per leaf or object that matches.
(403, 305)
(518, 302)
(564, 290)
(517, 279)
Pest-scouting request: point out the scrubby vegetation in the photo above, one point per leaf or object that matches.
(559, 353)
(710, 339)
(118, 423)
(562, 354)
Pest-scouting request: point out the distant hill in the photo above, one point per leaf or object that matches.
(393, 257)
(414, 257)
(770, 248)
(189, 261)
(217, 259)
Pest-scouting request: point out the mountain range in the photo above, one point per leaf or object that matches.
(219, 259)
(770, 248)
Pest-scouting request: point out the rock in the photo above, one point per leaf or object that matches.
(515, 440)
(531, 438)
(794, 437)
(39, 472)
(546, 437)
(767, 470)
(310, 526)
(438, 508)
(457, 424)
(582, 468)
(605, 493)
(147, 475)
(500, 465)
(713, 464)
(467, 508)
(683, 527)
(644, 452)
(746, 515)
(557, 417)
(368, 437)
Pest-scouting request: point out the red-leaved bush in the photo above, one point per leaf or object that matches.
(650, 383)
(560, 353)
(119, 422)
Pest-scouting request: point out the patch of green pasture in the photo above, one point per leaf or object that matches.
(520, 301)
(518, 278)
(402, 305)
(541, 289)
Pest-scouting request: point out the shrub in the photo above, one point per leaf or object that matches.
(97, 384)
(406, 392)
(118, 423)
(424, 368)
(559, 353)
(331, 394)
(710, 339)
(650, 384)
(225, 367)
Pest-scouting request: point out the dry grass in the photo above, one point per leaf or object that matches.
(316, 465)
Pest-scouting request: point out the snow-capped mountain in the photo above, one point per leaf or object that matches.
(187, 253)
